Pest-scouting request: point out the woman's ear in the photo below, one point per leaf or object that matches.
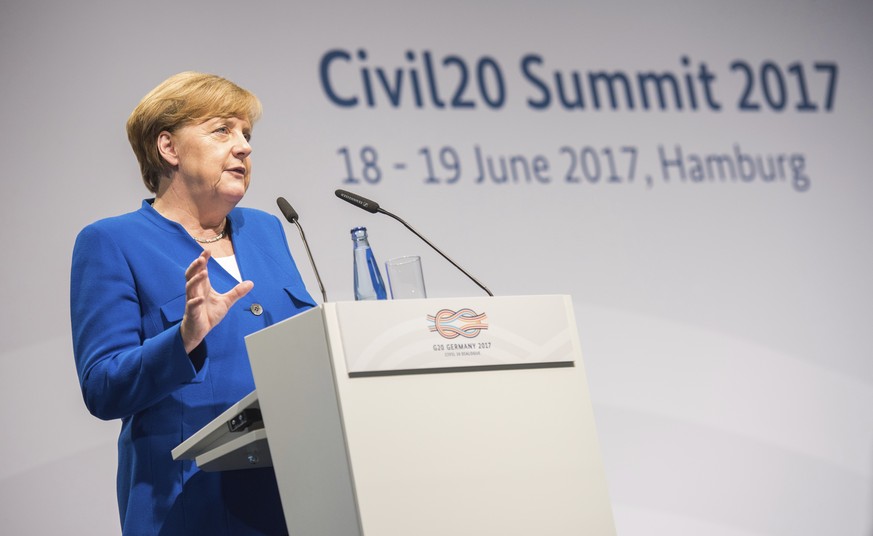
(167, 148)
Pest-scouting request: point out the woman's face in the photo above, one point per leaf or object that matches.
(213, 159)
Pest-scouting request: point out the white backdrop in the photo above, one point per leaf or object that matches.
(725, 323)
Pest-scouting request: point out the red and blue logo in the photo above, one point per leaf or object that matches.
(462, 323)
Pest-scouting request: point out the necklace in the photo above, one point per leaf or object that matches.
(215, 238)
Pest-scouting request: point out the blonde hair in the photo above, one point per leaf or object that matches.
(180, 100)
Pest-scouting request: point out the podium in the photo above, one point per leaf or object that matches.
(445, 416)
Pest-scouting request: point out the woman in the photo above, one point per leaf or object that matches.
(161, 299)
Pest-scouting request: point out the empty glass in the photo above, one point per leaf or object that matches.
(405, 278)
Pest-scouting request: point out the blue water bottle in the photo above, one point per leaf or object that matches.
(368, 279)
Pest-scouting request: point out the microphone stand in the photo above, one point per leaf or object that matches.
(312, 262)
(426, 241)
(292, 217)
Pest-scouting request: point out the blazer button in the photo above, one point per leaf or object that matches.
(257, 310)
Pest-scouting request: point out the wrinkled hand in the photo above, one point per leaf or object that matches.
(204, 307)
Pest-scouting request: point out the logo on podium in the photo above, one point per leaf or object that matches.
(461, 323)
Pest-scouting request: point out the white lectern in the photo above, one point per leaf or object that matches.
(456, 416)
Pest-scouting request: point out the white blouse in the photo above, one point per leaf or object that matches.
(230, 266)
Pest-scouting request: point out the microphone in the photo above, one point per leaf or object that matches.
(362, 202)
(373, 207)
(291, 215)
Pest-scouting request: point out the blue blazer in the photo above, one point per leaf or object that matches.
(127, 300)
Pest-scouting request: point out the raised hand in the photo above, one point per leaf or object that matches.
(204, 307)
